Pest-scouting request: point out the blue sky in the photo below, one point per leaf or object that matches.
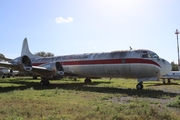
(83, 26)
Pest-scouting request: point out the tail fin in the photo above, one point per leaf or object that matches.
(25, 50)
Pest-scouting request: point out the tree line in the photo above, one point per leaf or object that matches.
(44, 54)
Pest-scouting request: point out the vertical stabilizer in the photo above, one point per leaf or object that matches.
(25, 50)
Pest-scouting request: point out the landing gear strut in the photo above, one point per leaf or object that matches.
(169, 81)
(44, 82)
(139, 86)
(87, 81)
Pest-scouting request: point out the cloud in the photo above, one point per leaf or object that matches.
(62, 20)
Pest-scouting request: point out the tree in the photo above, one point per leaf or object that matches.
(2, 56)
(174, 66)
(44, 54)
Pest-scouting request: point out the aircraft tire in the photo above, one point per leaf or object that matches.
(139, 86)
(87, 81)
(3, 76)
(44, 83)
(34, 77)
(74, 79)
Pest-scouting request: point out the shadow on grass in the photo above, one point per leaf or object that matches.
(160, 84)
(25, 84)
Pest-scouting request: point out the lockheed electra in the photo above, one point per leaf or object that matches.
(142, 64)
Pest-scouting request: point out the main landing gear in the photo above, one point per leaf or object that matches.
(87, 81)
(44, 82)
(139, 86)
(168, 82)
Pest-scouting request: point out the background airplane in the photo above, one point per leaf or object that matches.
(5, 72)
(145, 65)
(173, 74)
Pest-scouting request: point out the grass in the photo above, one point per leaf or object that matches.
(175, 103)
(22, 98)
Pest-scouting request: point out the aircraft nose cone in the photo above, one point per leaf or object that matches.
(166, 67)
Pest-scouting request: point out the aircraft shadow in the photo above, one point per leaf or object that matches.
(25, 84)
(90, 88)
(161, 84)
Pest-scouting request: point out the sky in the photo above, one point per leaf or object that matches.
(65, 27)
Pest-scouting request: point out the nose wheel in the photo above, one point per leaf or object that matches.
(139, 86)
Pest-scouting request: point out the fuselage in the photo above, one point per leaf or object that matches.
(5, 71)
(116, 64)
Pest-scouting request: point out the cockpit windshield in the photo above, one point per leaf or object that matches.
(149, 55)
(154, 55)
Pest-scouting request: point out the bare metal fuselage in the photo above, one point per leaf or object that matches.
(125, 64)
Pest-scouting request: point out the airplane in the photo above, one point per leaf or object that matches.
(142, 64)
(5, 72)
(175, 75)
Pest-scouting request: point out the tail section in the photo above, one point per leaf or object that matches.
(25, 50)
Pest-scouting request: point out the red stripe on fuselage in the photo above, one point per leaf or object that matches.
(107, 61)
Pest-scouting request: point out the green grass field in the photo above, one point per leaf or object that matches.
(22, 98)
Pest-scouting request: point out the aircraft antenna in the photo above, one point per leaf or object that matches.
(130, 47)
(176, 32)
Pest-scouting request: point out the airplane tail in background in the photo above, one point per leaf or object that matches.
(25, 50)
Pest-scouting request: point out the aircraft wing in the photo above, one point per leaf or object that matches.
(9, 65)
(44, 71)
(52, 69)
(48, 69)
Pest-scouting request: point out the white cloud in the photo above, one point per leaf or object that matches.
(62, 20)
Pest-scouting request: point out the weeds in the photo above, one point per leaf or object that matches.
(175, 103)
(23, 99)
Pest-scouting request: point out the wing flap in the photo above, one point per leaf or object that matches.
(41, 70)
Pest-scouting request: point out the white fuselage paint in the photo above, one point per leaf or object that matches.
(125, 64)
(114, 71)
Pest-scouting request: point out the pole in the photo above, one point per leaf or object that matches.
(178, 48)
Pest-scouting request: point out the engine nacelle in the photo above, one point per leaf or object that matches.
(22, 63)
(56, 70)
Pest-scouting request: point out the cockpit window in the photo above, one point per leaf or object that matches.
(146, 55)
(154, 55)
(150, 55)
